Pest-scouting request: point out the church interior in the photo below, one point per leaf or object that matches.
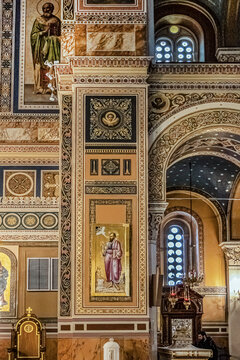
(119, 178)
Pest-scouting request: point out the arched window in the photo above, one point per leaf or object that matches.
(176, 237)
(164, 50)
(176, 44)
(185, 50)
(181, 246)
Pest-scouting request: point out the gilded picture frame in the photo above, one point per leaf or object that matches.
(110, 262)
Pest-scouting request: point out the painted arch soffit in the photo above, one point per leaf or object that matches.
(221, 143)
(171, 137)
(160, 119)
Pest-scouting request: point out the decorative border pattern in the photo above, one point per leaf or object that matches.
(68, 9)
(110, 79)
(46, 238)
(28, 221)
(111, 18)
(95, 202)
(211, 290)
(65, 257)
(29, 202)
(196, 69)
(111, 187)
(116, 61)
(6, 9)
(138, 5)
(33, 118)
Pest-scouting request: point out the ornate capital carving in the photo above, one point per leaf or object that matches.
(155, 216)
(231, 250)
(228, 55)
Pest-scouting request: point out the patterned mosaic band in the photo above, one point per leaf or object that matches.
(28, 221)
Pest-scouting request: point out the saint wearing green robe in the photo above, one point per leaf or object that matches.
(45, 44)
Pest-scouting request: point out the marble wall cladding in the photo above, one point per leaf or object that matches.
(80, 40)
(67, 44)
(65, 349)
(136, 348)
(103, 40)
(29, 132)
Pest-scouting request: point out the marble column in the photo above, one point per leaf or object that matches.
(232, 253)
(156, 214)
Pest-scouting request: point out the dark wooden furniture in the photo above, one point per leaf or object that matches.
(28, 338)
(179, 311)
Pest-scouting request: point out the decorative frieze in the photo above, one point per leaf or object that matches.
(110, 79)
(108, 61)
(111, 18)
(196, 69)
(29, 202)
(111, 187)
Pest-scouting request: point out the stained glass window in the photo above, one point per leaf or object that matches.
(175, 254)
(176, 44)
(164, 50)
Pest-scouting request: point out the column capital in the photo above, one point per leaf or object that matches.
(157, 207)
(231, 250)
(155, 216)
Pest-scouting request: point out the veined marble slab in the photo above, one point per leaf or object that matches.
(106, 41)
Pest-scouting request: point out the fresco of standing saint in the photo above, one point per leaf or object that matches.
(112, 259)
(45, 44)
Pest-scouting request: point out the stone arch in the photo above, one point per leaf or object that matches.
(168, 140)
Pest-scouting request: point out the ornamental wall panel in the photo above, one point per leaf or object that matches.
(110, 125)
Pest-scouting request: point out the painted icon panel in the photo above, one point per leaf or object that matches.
(110, 261)
(39, 32)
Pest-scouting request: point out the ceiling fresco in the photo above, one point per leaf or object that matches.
(212, 176)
